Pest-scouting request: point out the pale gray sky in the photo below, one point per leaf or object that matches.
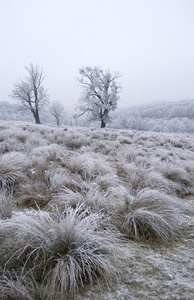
(150, 42)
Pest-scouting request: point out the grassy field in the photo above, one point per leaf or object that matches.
(87, 213)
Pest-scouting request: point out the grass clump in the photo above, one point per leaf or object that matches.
(153, 215)
(67, 250)
(16, 287)
(13, 289)
(88, 181)
(12, 167)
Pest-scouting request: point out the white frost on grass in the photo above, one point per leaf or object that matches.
(132, 178)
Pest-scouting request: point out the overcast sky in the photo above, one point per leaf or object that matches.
(150, 42)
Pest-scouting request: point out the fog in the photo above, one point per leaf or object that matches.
(151, 43)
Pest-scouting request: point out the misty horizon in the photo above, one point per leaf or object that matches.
(151, 43)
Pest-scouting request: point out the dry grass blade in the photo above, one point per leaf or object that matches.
(24, 287)
(5, 203)
(13, 289)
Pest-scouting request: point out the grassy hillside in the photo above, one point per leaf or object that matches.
(95, 214)
(170, 117)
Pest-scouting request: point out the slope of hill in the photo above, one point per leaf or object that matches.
(95, 214)
(160, 117)
(175, 117)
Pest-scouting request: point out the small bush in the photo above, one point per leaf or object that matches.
(12, 167)
(88, 166)
(74, 140)
(16, 287)
(51, 152)
(67, 249)
(13, 289)
(176, 174)
(33, 194)
(153, 215)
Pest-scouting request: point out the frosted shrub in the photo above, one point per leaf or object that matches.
(11, 144)
(59, 177)
(33, 194)
(50, 152)
(75, 141)
(90, 197)
(12, 167)
(88, 165)
(67, 197)
(46, 161)
(156, 180)
(125, 140)
(163, 155)
(130, 155)
(8, 140)
(141, 175)
(178, 175)
(104, 182)
(83, 164)
(102, 147)
(67, 249)
(176, 142)
(153, 215)
(14, 289)
(132, 175)
(70, 181)
(35, 141)
(102, 165)
(97, 134)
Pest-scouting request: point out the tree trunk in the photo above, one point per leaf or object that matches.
(36, 117)
(103, 124)
(104, 118)
(57, 120)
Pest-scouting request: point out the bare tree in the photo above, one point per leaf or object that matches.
(30, 92)
(57, 111)
(100, 93)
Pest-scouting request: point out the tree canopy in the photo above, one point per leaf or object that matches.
(30, 92)
(100, 93)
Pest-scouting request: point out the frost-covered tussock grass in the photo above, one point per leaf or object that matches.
(67, 249)
(12, 167)
(153, 215)
(73, 199)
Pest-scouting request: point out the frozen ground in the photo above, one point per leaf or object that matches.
(104, 170)
(158, 272)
